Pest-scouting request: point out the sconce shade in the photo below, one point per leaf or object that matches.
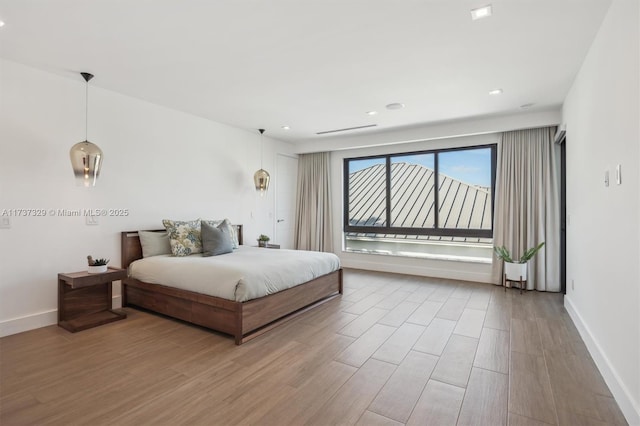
(86, 160)
(261, 179)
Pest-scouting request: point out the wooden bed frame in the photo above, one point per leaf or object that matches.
(243, 320)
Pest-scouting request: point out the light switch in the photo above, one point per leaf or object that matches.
(5, 222)
(619, 174)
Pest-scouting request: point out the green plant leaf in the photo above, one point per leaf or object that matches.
(503, 254)
(530, 253)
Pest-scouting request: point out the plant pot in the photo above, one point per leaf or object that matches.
(97, 269)
(515, 271)
(262, 243)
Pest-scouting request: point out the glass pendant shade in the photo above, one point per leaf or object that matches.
(86, 159)
(261, 179)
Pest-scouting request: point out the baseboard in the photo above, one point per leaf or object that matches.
(418, 270)
(29, 322)
(41, 319)
(621, 393)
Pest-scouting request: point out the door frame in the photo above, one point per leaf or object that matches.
(563, 213)
(275, 201)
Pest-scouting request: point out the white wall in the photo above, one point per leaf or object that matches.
(434, 131)
(602, 115)
(468, 271)
(158, 163)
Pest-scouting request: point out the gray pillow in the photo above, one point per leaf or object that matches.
(226, 226)
(154, 243)
(215, 240)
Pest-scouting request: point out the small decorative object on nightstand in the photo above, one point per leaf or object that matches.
(97, 266)
(84, 299)
(272, 246)
(263, 240)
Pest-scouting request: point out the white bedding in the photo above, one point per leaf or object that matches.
(245, 274)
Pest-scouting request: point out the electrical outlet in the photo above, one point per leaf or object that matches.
(573, 285)
(5, 222)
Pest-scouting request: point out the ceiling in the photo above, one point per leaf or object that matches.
(312, 65)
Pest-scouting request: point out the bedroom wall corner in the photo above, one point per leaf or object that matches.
(158, 163)
(602, 116)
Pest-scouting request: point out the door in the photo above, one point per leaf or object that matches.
(286, 187)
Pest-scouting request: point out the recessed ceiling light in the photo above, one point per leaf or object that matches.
(395, 105)
(286, 127)
(527, 106)
(481, 12)
(1, 23)
(495, 92)
(372, 112)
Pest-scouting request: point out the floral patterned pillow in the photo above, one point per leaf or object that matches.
(184, 236)
(226, 226)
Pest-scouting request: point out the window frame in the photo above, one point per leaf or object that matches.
(435, 230)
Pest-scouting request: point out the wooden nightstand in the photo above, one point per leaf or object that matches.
(84, 299)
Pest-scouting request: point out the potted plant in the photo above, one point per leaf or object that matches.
(516, 270)
(97, 266)
(263, 240)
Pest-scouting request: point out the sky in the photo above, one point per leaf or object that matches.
(472, 166)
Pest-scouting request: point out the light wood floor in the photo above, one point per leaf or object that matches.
(393, 350)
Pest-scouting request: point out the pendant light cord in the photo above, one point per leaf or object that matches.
(86, 113)
(261, 148)
(87, 76)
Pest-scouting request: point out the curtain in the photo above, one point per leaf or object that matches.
(313, 229)
(527, 204)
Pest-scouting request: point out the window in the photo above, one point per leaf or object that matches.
(439, 195)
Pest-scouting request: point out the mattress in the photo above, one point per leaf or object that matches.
(246, 273)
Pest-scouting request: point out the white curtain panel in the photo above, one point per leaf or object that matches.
(313, 203)
(527, 204)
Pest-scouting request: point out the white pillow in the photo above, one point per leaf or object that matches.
(154, 243)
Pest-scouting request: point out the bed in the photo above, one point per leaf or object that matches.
(244, 320)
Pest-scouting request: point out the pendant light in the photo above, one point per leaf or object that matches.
(86, 157)
(261, 177)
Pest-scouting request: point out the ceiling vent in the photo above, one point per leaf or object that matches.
(346, 130)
